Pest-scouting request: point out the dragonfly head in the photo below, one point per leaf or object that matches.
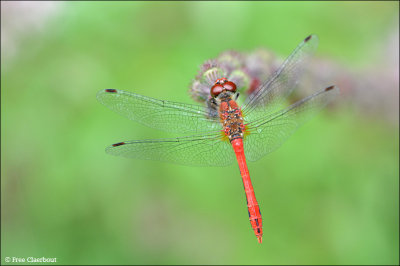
(222, 85)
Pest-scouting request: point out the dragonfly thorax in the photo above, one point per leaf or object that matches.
(230, 116)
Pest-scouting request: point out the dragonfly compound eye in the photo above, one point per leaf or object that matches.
(230, 86)
(216, 90)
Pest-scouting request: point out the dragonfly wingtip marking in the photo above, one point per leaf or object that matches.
(330, 88)
(308, 38)
(118, 144)
(111, 90)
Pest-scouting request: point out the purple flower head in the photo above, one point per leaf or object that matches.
(247, 71)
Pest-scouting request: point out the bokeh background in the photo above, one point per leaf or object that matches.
(329, 195)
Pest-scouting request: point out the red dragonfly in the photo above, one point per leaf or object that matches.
(226, 131)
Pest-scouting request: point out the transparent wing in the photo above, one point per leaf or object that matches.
(199, 150)
(159, 114)
(268, 133)
(270, 96)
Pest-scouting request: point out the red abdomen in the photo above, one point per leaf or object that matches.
(252, 205)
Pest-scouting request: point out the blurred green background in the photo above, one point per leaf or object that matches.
(329, 195)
